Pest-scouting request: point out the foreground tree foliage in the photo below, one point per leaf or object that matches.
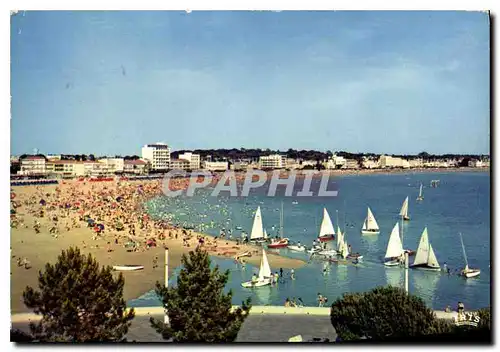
(78, 301)
(384, 312)
(389, 314)
(198, 309)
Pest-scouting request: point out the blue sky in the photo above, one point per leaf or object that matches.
(383, 82)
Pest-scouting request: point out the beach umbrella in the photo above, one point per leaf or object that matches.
(12, 211)
(101, 226)
(90, 221)
(43, 202)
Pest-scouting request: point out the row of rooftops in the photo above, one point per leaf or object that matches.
(57, 162)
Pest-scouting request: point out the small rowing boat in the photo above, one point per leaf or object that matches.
(128, 267)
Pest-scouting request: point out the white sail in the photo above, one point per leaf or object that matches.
(345, 249)
(326, 225)
(422, 255)
(265, 233)
(370, 222)
(404, 209)
(257, 228)
(394, 247)
(432, 260)
(420, 192)
(340, 239)
(265, 269)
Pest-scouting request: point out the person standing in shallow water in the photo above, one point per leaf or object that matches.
(281, 272)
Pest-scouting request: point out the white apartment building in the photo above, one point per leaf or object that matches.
(114, 165)
(275, 161)
(215, 165)
(138, 167)
(180, 164)
(387, 161)
(33, 165)
(476, 163)
(335, 162)
(65, 168)
(194, 160)
(158, 155)
(417, 163)
(370, 164)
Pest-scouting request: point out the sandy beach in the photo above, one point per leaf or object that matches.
(36, 240)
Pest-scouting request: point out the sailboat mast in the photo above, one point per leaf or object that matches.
(463, 249)
(281, 221)
(338, 224)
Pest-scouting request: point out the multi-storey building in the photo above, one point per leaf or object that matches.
(215, 165)
(275, 161)
(180, 164)
(158, 155)
(387, 161)
(33, 166)
(114, 165)
(138, 167)
(194, 160)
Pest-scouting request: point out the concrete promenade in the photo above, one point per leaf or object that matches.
(264, 324)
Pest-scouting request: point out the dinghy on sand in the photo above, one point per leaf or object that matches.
(128, 267)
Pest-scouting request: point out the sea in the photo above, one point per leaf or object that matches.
(459, 204)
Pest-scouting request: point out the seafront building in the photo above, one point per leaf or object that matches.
(180, 164)
(158, 155)
(136, 167)
(275, 161)
(387, 161)
(368, 163)
(193, 159)
(215, 165)
(33, 166)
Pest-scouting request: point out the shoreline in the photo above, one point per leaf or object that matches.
(407, 171)
(43, 247)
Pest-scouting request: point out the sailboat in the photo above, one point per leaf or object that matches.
(370, 225)
(420, 193)
(281, 242)
(425, 257)
(468, 272)
(326, 231)
(404, 210)
(265, 274)
(394, 251)
(258, 233)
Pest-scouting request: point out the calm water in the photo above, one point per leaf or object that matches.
(461, 203)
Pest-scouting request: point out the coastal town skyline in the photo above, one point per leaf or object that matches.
(375, 82)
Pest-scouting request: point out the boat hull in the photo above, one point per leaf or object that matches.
(128, 267)
(368, 232)
(283, 243)
(471, 274)
(425, 267)
(394, 262)
(260, 283)
(277, 245)
(297, 248)
(357, 256)
(326, 238)
(328, 252)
